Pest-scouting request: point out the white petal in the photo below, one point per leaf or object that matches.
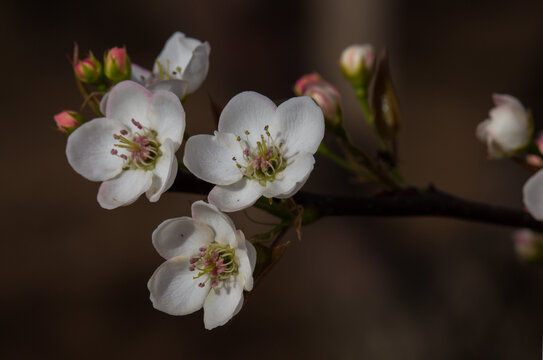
(249, 111)
(210, 158)
(167, 117)
(533, 195)
(124, 189)
(509, 127)
(178, 87)
(302, 122)
(221, 224)
(128, 100)
(89, 149)
(181, 237)
(103, 103)
(246, 254)
(164, 172)
(197, 68)
(221, 303)
(173, 289)
(139, 74)
(237, 196)
(481, 132)
(294, 175)
(177, 52)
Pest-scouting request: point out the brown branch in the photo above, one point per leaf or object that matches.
(410, 202)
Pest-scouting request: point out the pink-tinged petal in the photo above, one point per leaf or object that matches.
(196, 69)
(182, 236)
(124, 189)
(164, 172)
(302, 123)
(482, 131)
(222, 302)
(237, 196)
(129, 100)
(221, 224)
(533, 195)
(294, 176)
(210, 158)
(174, 290)
(139, 74)
(178, 87)
(89, 149)
(252, 112)
(167, 117)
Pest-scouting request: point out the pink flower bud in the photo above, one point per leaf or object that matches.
(303, 82)
(117, 65)
(356, 62)
(528, 245)
(68, 120)
(323, 93)
(89, 70)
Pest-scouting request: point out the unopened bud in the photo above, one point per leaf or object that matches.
(89, 70)
(356, 62)
(68, 120)
(305, 81)
(323, 93)
(117, 65)
(529, 245)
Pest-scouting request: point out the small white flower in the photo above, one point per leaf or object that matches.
(208, 264)
(356, 59)
(181, 66)
(260, 149)
(509, 128)
(132, 149)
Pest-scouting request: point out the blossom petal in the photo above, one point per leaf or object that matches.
(139, 74)
(210, 158)
(124, 189)
(294, 175)
(176, 53)
(89, 149)
(302, 123)
(181, 237)
(167, 117)
(177, 86)
(237, 196)
(196, 70)
(249, 111)
(173, 289)
(221, 224)
(128, 100)
(221, 303)
(533, 195)
(246, 254)
(164, 173)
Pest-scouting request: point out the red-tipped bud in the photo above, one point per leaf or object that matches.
(68, 120)
(529, 245)
(89, 70)
(303, 82)
(117, 65)
(323, 93)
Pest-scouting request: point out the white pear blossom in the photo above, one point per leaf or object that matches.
(259, 150)
(508, 129)
(181, 66)
(208, 264)
(131, 149)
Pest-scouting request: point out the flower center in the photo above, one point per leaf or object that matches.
(264, 161)
(141, 147)
(216, 261)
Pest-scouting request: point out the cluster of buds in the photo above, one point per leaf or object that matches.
(323, 93)
(68, 120)
(116, 67)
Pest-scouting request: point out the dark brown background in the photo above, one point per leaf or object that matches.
(73, 279)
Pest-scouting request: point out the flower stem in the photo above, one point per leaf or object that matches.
(326, 152)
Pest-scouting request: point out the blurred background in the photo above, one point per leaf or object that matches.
(74, 276)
